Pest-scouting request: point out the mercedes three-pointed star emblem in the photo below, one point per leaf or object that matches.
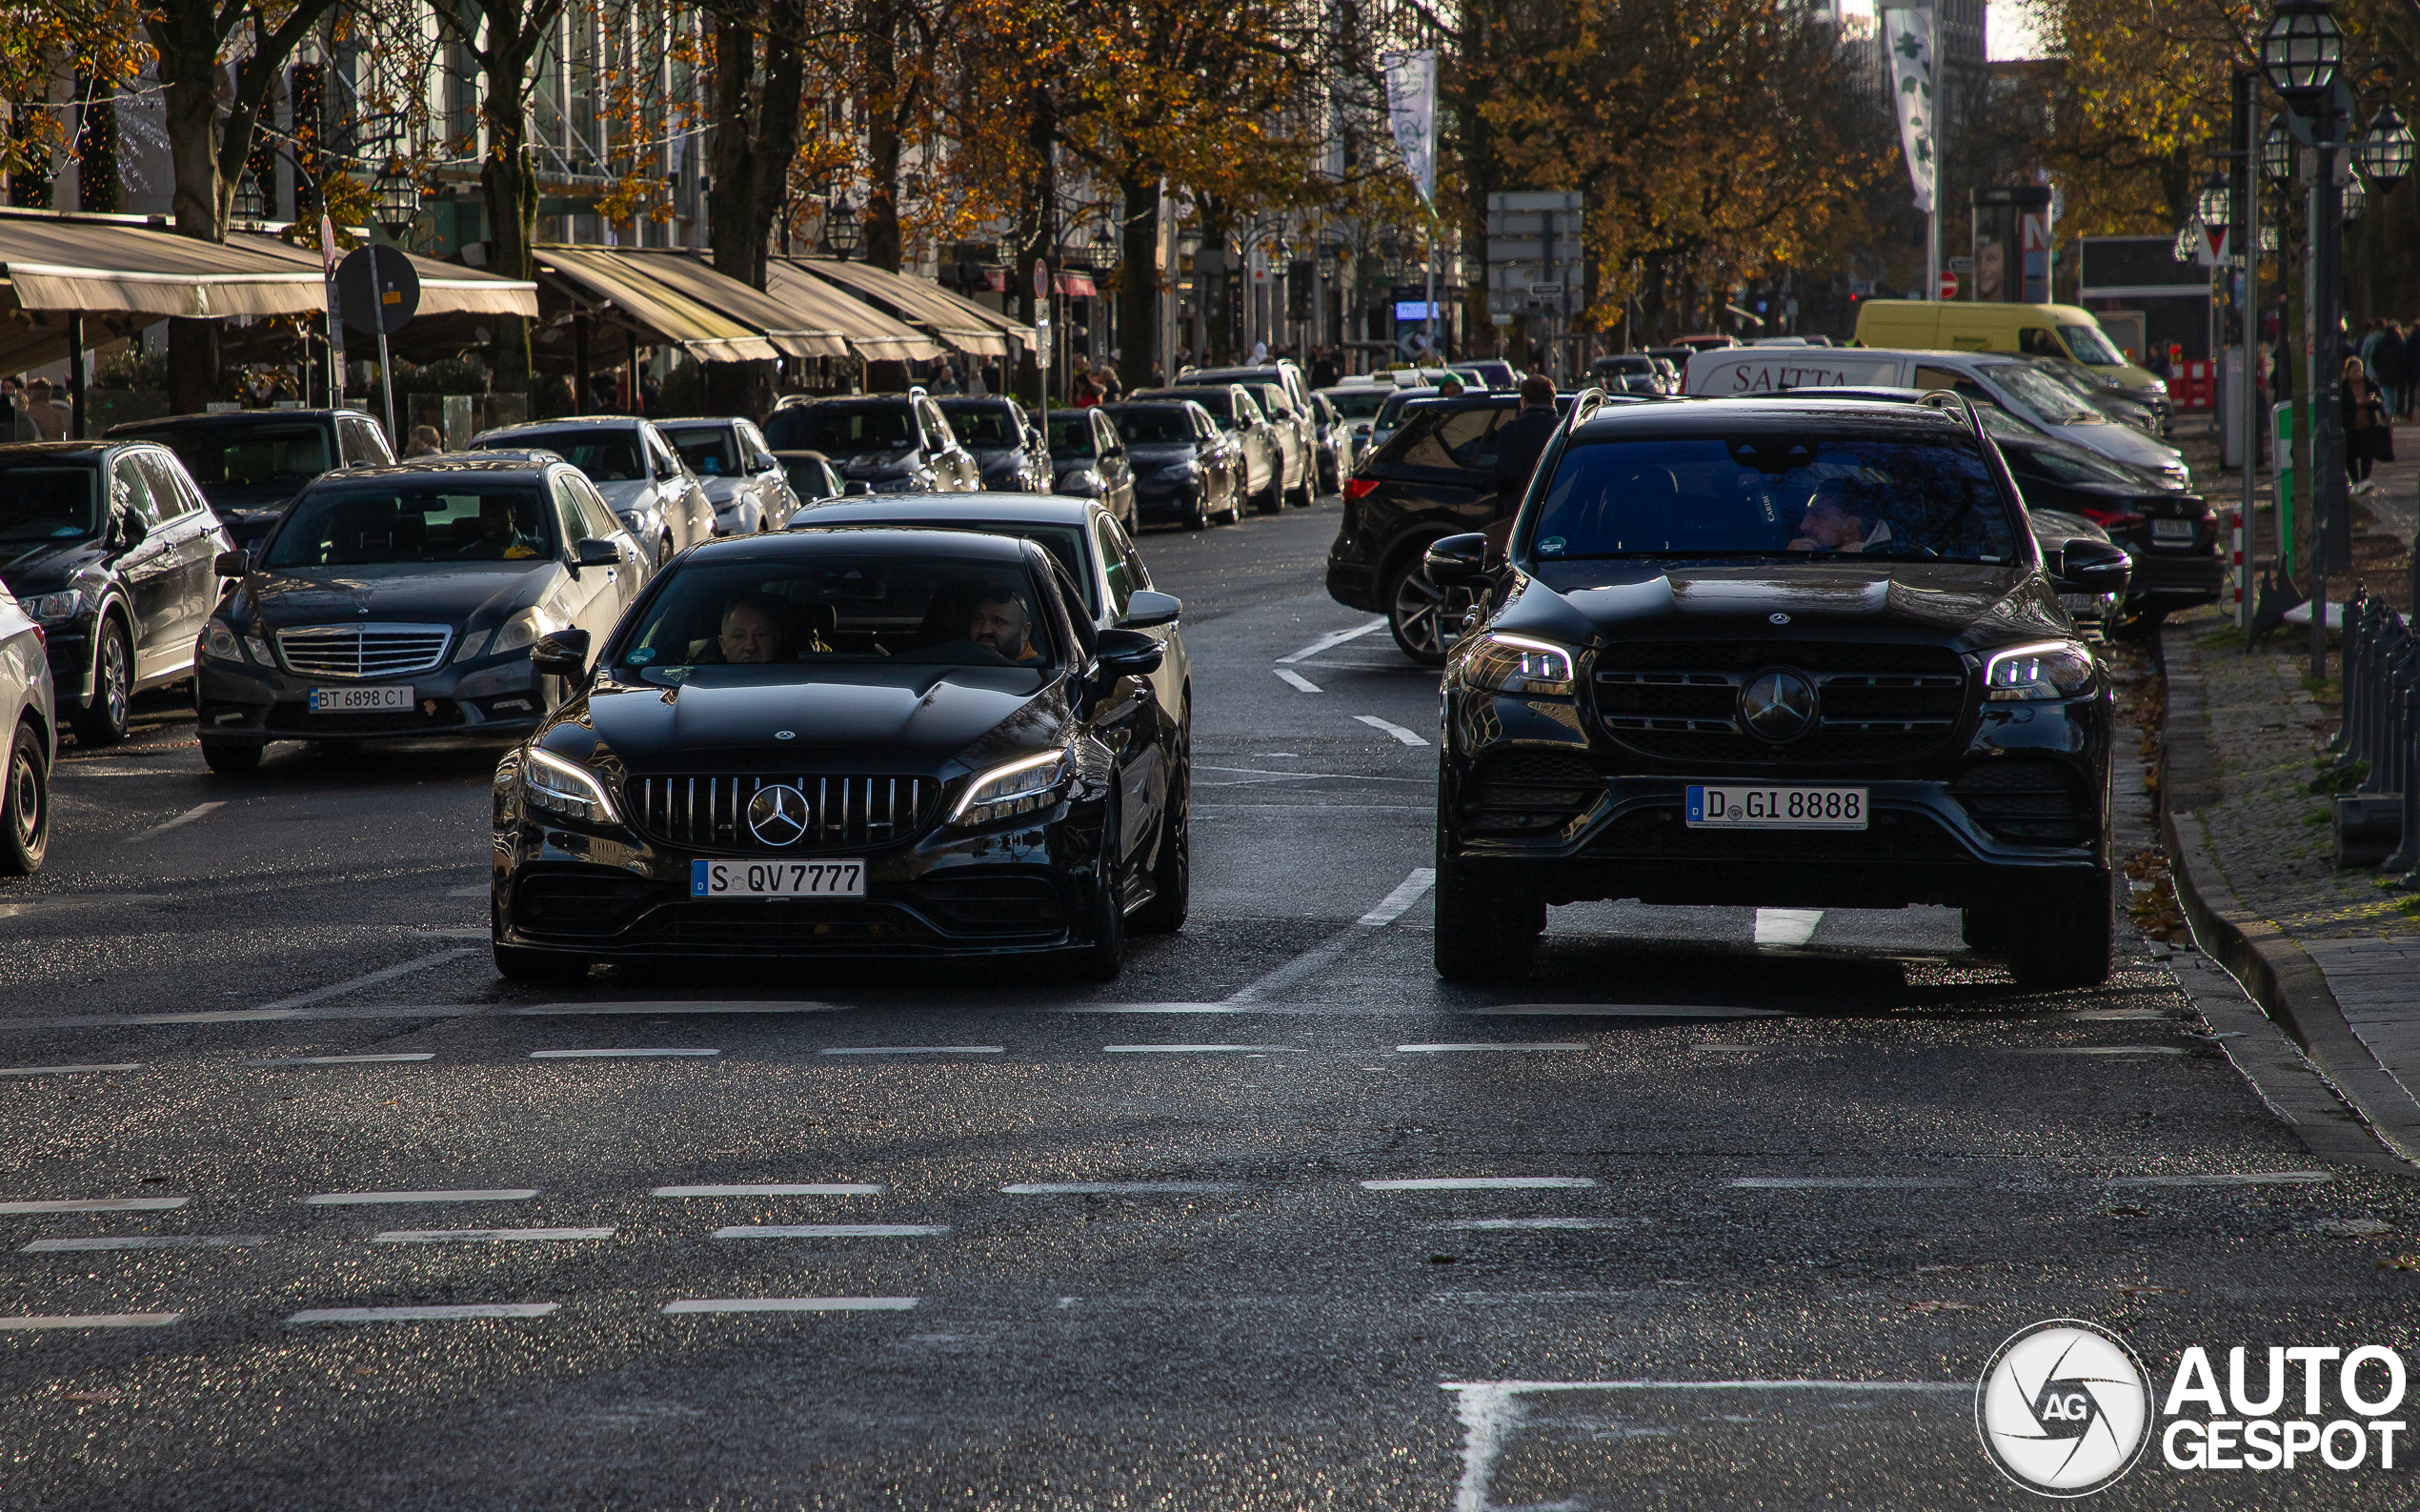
(778, 816)
(1778, 705)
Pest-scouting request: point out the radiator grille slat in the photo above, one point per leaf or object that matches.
(364, 651)
(711, 813)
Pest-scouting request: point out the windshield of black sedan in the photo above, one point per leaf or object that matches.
(842, 429)
(46, 501)
(1775, 493)
(841, 608)
(1151, 424)
(1071, 435)
(457, 520)
(979, 423)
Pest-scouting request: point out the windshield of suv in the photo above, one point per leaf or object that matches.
(982, 423)
(1151, 424)
(1771, 492)
(41, 500)
(2090, 344)
(842, 429)
(708, 450)
(459, 519)
(839, 607)
(223, 455)
(606, 457)
(1360, 402)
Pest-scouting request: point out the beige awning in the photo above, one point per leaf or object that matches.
(790, 329)
(119, 265)
(595, 280)
(949, 318)
(445, 289)
(870, 333)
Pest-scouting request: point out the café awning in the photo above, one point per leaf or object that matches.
(957, 322)
(592, 280)
(793, 331)
(445, 289)
(869, 333)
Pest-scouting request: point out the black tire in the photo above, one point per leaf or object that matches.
(1105, 957)
(1272, 499)
(1199, 518)
(25, 804)
(516, 964)
(104, 721)
(1986, 930)
(1172, 873)
(1485, 933)
(2063, 940)
(1425, 620)
(1306, 496)
(231, 758)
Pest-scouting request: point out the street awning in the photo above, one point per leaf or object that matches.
(949, 318)
(870, 333)
(1077, 286)
(445, 289)
(784, 326)
(593, 279)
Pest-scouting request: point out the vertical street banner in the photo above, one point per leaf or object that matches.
(1411, 110)
(1911, 78)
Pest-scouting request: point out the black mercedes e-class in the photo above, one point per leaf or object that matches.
(1782, 652)
(844, 742)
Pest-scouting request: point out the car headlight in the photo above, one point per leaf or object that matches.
(523, 630)
(1019, 787)
(2052, 669)
(557, 786)
(1183, 472)
(220, 644)
(52, 608)
(1516, 664)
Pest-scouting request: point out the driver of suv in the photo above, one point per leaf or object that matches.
(1837, 521)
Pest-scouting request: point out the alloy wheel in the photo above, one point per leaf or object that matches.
(1425, 618)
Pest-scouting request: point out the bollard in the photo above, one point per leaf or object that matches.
(2351, 739)
(2406, 856)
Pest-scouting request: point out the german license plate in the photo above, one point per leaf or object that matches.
(2175, 532)
(841, 878)
(2080, 604)
(1769, 808)
(360, 700)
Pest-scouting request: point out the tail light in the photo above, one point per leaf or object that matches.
(1357, 488)
(2111, 518)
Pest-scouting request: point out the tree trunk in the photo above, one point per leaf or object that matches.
(510, 191)
(755, 136)
(883, 108)
(1139, 282)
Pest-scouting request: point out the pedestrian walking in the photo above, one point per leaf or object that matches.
(1520, 442)
(2391, 364)
(2366, 436)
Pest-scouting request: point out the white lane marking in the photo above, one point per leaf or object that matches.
(185, 818)
(60, 1071)
(500, 1194)
(1610, 1010)
(1407, 892)
(1338, 776)
(98, 1205)
(1538, 1044)
(96, 1321)
(791, 1304)
(1786, 926)
(1112, 1188)
(1478, 1183)
(1329, 641)
(348, 1060)
(422, 1315)
(338, 989)
(1148, 1050)
(743, 1006)
(829, 1230)
(2103, 1050)
(480, 891)
(1814, 1184)
(776, 1189)
(466, 1236)
(1488, 1223)
(60, 1246)
(1390, 727)
(1326, 954)
(614, 1055)
(2228, 1179)
(482, 933)
(915, 1049)
(1297, 681)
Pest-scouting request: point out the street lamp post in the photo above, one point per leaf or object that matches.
(396, 197)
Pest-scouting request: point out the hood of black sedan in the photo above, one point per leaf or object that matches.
(1162, 453)
(865, 718)
(450, 592)
(1943, 603)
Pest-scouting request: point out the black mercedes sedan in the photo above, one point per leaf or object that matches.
(399, 604)
(1800, 653)
(842, 742)
(1185, 467)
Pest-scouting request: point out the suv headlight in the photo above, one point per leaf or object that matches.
(50, 609)
(522, 629)
(1019, 787)
(2053, 668)
(1503, 663)
(557, 786)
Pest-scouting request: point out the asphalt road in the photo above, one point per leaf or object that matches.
(1723, 1208)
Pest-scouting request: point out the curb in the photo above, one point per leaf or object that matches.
(2273, 970)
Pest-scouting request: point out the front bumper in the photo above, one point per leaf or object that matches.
(1172, 498)
(70, 649)
(2175, 580)
(495, 700)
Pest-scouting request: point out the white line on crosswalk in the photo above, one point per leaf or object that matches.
(1297, 681)
(1786, 926)
(1390, 727)
(1407, 892)
(1331, 640)
(197, 812)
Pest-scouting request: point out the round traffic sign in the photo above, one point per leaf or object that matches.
(378, 288)
(1948, 284)
(1041, 279)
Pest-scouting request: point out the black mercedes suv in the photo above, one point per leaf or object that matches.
(1777, 652)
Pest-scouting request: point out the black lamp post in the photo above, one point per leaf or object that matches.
(396, 197)
(2385, 151)
(843, 233)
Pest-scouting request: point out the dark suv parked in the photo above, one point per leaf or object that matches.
(1780, 651)
(251, 463)
(879, 443)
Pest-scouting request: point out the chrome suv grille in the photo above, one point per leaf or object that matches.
(363, 651)
(711, 813)
(1874, 703)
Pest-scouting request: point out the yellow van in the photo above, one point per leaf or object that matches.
(2067, 332)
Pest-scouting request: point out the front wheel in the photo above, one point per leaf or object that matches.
(1105, 957)
(2063, 940)
(1171, 874)
(1484, 933)
(103, 721)
(1199, 519)
(1425, 617)
(25, 805)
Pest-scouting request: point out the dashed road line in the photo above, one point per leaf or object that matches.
(1146, 1050)
(1297, 681)
(915, 1049)
(1390, 727)
(1824, 1183)
(96, 1204)
(2228, 1179)
(790, 1304)
(2102, 1050)
(501, 1194)
(356, 984)
(397, 1059)
(829, 1230)
(1530, 1044)
(1486, 1225)
(62, 1071)
(1114, 1188)
(1609, 1010)
(1786, 926)
(110, 1242)
(634, 1052)
(95, 1321)
(1407, 892)
(1329, 641)
(454, 1313)
(776, 1189)
(197, 811)
(473, 1236)
(1478, 1183)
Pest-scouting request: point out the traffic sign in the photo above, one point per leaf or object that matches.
(378, 288)
(1948, 284)
(1041, 279)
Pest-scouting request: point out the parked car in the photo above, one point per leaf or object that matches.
(881, 443)
(1088, 461)
(649, 488)
(1282, 396)
(2095, 613)
(1008, 450)
(1335, 451)
(1626, 372)
(1186, 469)
(1390, 416)
(979, 770)
(746, 485)
(1357, 405)
(1494, 373)
(2104, 394)
(109, 548)
(1674, 363)
(249, 463)
(401, 602)
(28, 736)
(810, 474)
(1236, 412)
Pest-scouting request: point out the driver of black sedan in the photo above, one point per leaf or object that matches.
(1002, 624)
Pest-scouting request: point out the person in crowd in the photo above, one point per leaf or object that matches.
(945, 381)
(1106, 376)
(1324, 368)
(1449, 387)
(16, 423)
(651, 396)
(2364, 415)
(424, 442)
(2391, 364)
(49, 417)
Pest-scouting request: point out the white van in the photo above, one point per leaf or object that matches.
(2012, 383)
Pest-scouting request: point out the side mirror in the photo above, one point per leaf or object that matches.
(132, 532)
(1147, 608)
(1126, 653)
(596, 553)
(1456, 561)
(562, 654)
(232, 564)
(2094, 567)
